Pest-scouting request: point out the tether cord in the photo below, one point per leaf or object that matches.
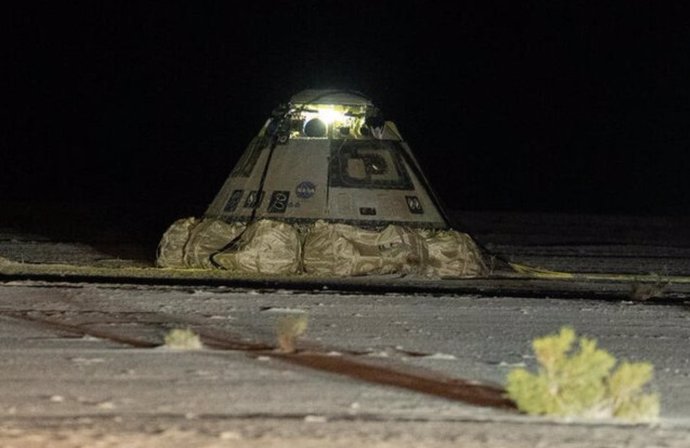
(519, 268)
(259, 199)
(274, 143)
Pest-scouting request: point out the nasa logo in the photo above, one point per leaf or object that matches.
(305, 190)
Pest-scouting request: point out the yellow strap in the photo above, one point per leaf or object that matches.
(541, 273)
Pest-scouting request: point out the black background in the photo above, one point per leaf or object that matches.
(553, 106)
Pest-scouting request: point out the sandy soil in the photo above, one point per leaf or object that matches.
(64, 390)
(312, 432)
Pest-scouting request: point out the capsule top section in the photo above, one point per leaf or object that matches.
(328, 113)
(330, 97)
(330, 155)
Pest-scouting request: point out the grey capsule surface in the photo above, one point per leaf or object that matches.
(329, 155)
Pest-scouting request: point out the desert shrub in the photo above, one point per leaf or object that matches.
(582, 382)
(288, 328)
(182, 339)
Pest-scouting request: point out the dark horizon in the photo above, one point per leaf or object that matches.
(557, 108)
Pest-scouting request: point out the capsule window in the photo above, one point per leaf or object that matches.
(368, 164)
(315, 128)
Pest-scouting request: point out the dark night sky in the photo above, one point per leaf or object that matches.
(554, 106)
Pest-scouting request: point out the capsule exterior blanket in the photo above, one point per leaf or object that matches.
(344, 250)
(324, 249)
(266, 247)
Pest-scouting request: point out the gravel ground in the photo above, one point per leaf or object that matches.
(62, 389)
(310, 432)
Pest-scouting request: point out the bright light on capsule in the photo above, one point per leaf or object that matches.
(328, 116)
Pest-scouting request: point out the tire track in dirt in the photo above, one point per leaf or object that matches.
(309, 355)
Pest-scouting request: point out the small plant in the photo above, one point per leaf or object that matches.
(580, 382)
(183, 339)
(641, 291)
(5, 262)
(288, 329)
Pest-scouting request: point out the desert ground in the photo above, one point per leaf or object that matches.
(85, 362)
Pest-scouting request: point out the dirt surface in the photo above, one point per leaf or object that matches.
(65, 381)
(64, 385)
(127, 235)
(314, 432)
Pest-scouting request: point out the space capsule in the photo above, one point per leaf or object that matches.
(327, 187)
(328, 155)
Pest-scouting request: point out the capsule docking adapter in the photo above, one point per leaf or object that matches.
(327, 187)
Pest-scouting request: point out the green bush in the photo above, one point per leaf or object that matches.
(288, 329)
(183, 339)
(580, 382)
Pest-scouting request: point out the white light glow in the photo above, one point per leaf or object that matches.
(328, 116)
